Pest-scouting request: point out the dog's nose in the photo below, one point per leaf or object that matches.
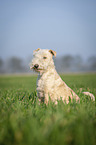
(36, 66)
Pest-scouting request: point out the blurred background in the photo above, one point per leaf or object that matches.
(66, 26)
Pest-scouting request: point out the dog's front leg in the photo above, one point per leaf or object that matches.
(46, 100)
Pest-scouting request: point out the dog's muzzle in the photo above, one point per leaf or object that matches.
(36, 66)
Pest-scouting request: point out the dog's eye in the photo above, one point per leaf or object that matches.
(44, 57)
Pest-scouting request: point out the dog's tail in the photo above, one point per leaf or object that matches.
(89, 94)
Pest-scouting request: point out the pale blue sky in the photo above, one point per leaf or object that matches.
(66, 26)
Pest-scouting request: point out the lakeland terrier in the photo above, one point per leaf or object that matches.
(49, 83)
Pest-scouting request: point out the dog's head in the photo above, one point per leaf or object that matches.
(42, 60)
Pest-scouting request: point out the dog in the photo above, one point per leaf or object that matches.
(49, 83)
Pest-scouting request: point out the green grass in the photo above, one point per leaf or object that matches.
(24, 122)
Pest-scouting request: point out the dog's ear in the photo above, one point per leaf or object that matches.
(52, 52)
(36, 50)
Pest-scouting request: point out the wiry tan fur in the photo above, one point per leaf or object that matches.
(49, 82)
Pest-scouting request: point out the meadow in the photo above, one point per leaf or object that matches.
(24, 122)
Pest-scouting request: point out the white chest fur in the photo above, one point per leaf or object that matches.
(45, 83)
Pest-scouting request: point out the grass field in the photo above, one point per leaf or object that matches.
(24, 122)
